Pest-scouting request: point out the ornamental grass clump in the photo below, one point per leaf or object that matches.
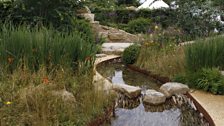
(205, 54)
(21, 47)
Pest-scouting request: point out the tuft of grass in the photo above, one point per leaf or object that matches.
(35, 101)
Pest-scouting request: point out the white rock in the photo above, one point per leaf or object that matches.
(222, 72)
(154, 97)
(172, 88)
(127, 90)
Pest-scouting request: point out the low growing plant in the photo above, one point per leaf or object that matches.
(207, 79)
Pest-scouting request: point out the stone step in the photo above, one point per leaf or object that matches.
(115, 47)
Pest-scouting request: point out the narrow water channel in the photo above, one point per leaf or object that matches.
(133, 112)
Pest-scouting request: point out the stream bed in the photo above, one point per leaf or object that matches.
(133, 112)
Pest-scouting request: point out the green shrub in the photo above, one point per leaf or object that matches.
(130, 54)
(121, 15)
(56, 13)
(140, 25)
(205, 54)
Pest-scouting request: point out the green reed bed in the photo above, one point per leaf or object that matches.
(36, 47)
(36, 65)
(205, 54)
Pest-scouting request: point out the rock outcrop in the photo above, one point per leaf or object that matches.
(172, 88)
(153, 97)
(127, 90)
(110, 34)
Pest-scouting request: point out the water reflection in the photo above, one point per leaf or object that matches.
(133, 112)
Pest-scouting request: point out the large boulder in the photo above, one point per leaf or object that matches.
(127, 90)
(116, 36)
(154, 97)
(89, 17)
(84, 10)
(172, 88)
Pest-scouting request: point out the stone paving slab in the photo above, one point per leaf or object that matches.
(213, 104)
(115, 47)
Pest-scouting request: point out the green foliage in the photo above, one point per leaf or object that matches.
(59, 14)
(139, 25)
(94, 4)
(130, 54)
(207, 79)
(128, 2)
(196, 18)
(123, 16)
(205, 54)
(34, 48)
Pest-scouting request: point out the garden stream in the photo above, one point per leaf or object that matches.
(133, 112)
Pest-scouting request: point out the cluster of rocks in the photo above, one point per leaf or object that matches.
(150, 96)
(109, 33)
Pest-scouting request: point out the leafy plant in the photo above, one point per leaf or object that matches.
(207, 79)
(130, 54)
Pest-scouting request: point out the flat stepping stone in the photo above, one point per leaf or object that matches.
(154, 97)
(174, 88)
(127, 90)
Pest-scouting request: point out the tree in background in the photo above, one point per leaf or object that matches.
(128, 2)
(219, 3)
(197, 18)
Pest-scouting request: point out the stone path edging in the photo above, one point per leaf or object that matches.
(100, 82)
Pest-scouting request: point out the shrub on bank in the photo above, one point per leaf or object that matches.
(130, 54)
(139, 25)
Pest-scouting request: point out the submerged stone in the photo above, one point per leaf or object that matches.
(127, 90)
(154, 97)
(172, 88)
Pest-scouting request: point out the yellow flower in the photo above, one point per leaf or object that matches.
(156, 27)
(8, 103)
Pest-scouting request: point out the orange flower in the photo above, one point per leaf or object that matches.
(34, 50)
(10, 60)
(45, 80)
(88, 58)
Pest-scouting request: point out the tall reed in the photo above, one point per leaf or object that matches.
(205, 54)
(21, 47)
